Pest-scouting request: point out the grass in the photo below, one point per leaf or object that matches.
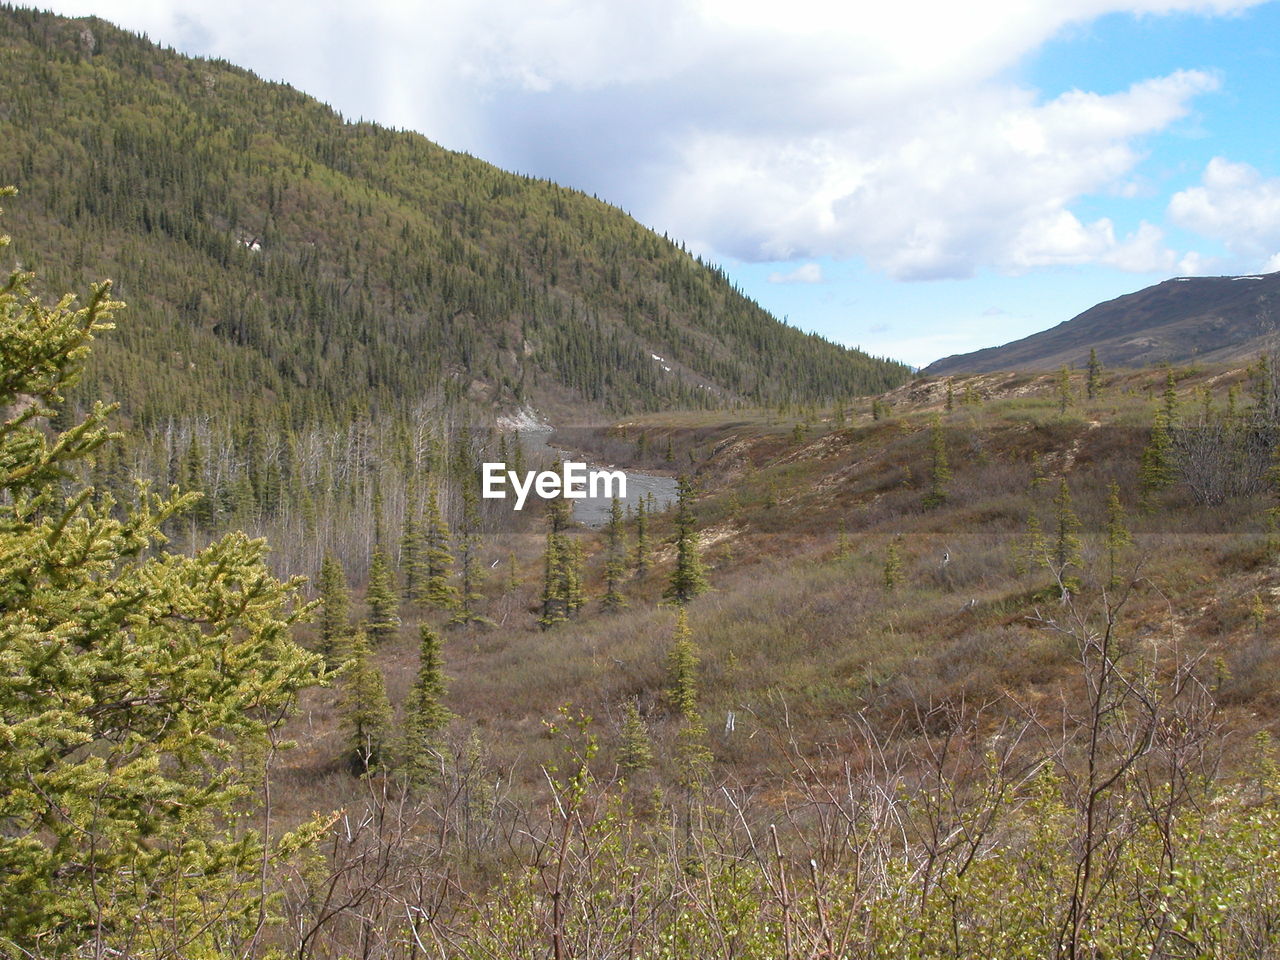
(796, 629)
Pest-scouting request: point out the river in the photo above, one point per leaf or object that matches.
(594, 511)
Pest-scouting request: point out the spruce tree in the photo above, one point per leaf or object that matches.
(1093, 378)
(1169, 400)
(1033, 552)
(1064, 389)
(615, 559)
(470, 572)
(365, 710)
(687, 579)
(426, 716)
(692, 756)
(1118, 536)
(135, 682)
(1065, 556)
(574, 592)
(437, 591)
(555, 603)
(384, 605)
(1155, 469)
(939, 468)
(682, 669)
(635, 752)
(893, 563)
(334, 621)
(562, 591)
(413, 560)
(642, 538)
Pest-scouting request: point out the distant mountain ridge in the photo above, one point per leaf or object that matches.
(268, 247)
(1210, 319)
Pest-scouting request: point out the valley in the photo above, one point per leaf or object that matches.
(974, 661)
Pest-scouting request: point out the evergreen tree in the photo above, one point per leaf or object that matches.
(133, 680)
(1064, 389)
(939, 468)
(365, 710)
(335, 609)
(413, 559)
(950, 403)
(437, 591)
(682, 669)
(470, 572)
(575, 595)
(642, 538)
(893, 563)
(1093, 378)
(1118, 536)
(562, 593)
(384, 605)
(693, 757)
(426, 716)
(1065, 556)
(1155, 469)
(1034, 549)
(687, 579)
(615, 559)
(636, 749)
(843, 547)
(1169, 400)
(555, 601)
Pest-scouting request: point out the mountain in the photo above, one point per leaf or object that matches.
(270, 249)
(1177, 321)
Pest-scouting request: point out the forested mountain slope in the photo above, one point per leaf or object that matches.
(266, 246)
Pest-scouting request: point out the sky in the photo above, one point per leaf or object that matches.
(914, 177)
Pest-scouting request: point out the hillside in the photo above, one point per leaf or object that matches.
(1205, 319)
(268, 248)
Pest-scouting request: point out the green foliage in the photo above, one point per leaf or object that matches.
(642, 547)
(635, 752)
(381, 598)
(1169, 400)
(1064, 559)
(892, 574)
(1032, 550)
(426, 716)
(470, 572)
(939, 467)
(1065, 394)
(682, 669)
(1156, 468)
(437, 591)
(1093, 375)
(131, 680)
(1118, 537)
(366, 712)
(562, 590)
(687, 578)
(413, 560)
(335, 609)
(615, 563)
(243, 206)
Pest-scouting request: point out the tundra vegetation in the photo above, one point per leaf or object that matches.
(849, 709)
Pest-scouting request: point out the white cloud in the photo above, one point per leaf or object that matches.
(805, 273)
(983, 177)
(1236, 205)
(747, 128)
